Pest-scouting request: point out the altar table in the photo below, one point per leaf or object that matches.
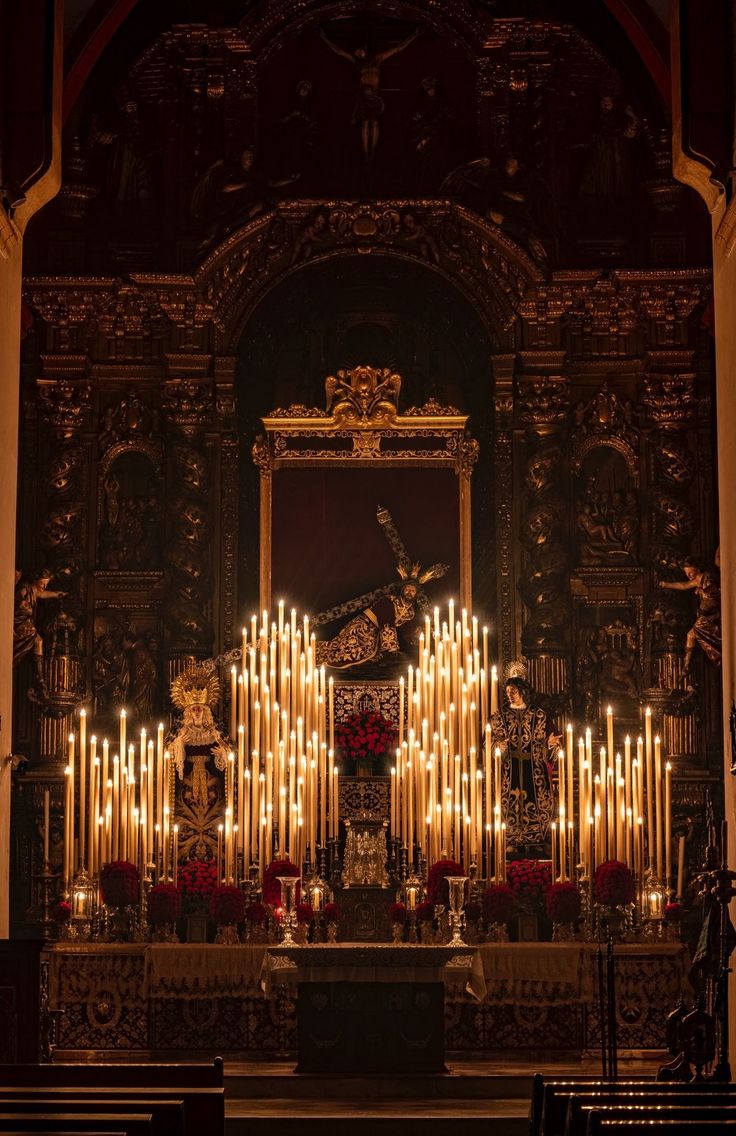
(142, 999)
(376, 1008)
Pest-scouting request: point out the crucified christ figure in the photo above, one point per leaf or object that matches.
(369, 105)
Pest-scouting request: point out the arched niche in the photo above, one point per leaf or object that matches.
(411, 320)
(128, 508)
(607, 503)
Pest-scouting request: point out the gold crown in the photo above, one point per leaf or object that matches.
(198, 685)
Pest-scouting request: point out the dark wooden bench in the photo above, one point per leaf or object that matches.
(603, 1126)
(170, 1075)
(579, 1106)
(167, 1115)
(131, 1123)
(549, 1102)
(203, 1109)
(590, 1118)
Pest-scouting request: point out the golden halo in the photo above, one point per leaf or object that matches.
(197, 684)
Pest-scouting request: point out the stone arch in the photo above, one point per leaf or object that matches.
(492, 271)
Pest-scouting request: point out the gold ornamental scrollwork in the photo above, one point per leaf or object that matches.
(363, 396)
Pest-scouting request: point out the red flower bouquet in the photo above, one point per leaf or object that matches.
(164, 904)
(365, 735)
(197, 879)
(613, 884)
(63, 911)
(499, 904)
(530, 881)
(473, 912)
(304, 913)
(120, 883)
(425, 911)
(438, 890)
(227, 904)
(673, 913)
(331, 913)
(256, 914)
(563, 902)
(271, 885)
(397, 912)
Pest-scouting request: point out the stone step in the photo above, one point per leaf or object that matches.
(381, 1087)
(364, 1117)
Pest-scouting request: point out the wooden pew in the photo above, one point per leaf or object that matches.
(131, 1123)
(602, 1126)
(167, 1114)
(580, 1105)
(204, 1109)
(548, 1109)
(590, 1118)
(170, 1075)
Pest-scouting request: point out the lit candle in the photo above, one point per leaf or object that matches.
(648, 760)
(46, 809)
(82, 786)
(680, 866)
(658, 806)
(121, 749)
(668, 826)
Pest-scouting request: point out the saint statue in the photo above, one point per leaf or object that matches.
(27, 638)
(373, 632)
(523, 734)
(706, 630)
(199, 751)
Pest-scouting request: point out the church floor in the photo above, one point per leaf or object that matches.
(489, 1096)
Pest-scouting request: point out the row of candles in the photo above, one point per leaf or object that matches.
(446, 783)
(282, 787)
(281, 783)
(622, 809)
(281, 779)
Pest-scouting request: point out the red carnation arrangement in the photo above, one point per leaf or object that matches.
(530, 880)
(365, 734)
(164, 904)
(473, 912)
(271, 885)
(256, 914)
(425, 911)
(563, 902)
(304, 913)
(438, 889)
(197, 879)
(120, 883)
(331, 913)
(499, 904)
(397, 912)
(613, 884)
(227, 904)
(63, 911)
(673, 913)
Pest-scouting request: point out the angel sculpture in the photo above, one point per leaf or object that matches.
(373, 631)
